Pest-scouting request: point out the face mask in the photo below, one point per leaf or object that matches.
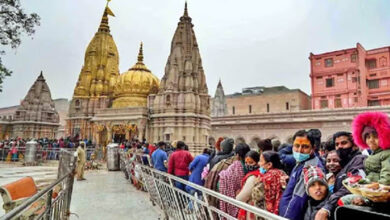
(251, 167)
(299, 157)
(344, 155)
(331, 188)
(262, 170)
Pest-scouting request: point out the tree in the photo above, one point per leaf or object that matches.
(13, 23)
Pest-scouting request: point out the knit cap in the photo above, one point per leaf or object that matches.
(311, 175)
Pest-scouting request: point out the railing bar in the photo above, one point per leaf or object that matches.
(234, 202)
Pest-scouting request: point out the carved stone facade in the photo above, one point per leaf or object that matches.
(181, 108)
(36, 117)
(218, 103)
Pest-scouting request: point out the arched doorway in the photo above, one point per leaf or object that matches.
(240, 140)
(254, 142)
(118, 133)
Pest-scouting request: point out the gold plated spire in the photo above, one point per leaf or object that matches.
(140, 61)
(141, 54)
(101, 63)
(104, 23)
(133, 87)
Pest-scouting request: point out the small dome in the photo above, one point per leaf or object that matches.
(133, 87)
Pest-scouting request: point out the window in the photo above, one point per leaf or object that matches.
(319, 77)
(373, 84)
(355, 99)
(167, 137)
(287, 106)
(354, 79)
(329, 82)
(168, 100)
(267, 107)
(250, 108)
(353, 58)
(184, 138)
(329, 62)
(373, 103)
(233, 110)
(337, 103)
(324, 103)
(371, 64)
(372, 75)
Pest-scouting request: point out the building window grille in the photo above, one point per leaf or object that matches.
(267, 107)
(329, 82)
(371, 64)
(353, 58)
(354, 79)
(167, 137)
(287, 106)
(233, 110)
(329, 62)
(250, 109)
(373, 103)
(324, 103)
(337, 103)
(373, 84)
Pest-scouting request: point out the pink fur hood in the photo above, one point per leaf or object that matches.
(377, 120)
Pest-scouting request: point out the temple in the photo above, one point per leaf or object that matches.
(181, 108)
(219, 106)
(108, 106)
(35, 117)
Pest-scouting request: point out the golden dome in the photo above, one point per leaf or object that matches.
(133, 87)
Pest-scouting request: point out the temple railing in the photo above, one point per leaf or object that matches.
(56, 197)
(178, 204)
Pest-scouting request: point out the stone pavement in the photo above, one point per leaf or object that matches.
(108, 195)
(42, 175)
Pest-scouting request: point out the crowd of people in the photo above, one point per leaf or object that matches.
(14, 149)
(298, 180)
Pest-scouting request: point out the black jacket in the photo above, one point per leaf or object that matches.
(353, 167)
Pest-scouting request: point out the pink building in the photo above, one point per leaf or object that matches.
(352, 77)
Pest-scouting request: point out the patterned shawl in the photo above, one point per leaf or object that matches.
(229, 185)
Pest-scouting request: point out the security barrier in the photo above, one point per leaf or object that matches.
(178, 204)
(57, 196)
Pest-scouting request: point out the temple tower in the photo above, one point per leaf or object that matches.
(36, 117)
(181, 108)
(94, 88)
(219, 106)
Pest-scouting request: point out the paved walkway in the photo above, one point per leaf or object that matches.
(108, 195)
(42, 175)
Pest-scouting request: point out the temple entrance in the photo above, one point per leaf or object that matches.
(119, 138)
(119, 133)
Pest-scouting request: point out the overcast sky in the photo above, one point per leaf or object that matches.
(245, 43)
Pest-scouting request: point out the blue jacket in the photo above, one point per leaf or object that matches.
(294, 198)
(158, 158)
(196, 168)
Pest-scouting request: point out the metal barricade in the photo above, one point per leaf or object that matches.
(57, 195)
(178, 204)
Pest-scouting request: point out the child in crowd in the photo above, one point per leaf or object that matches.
(316, 188)
(371, 130)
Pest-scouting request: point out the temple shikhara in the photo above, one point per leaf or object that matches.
(108, 106)
(35, 117)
